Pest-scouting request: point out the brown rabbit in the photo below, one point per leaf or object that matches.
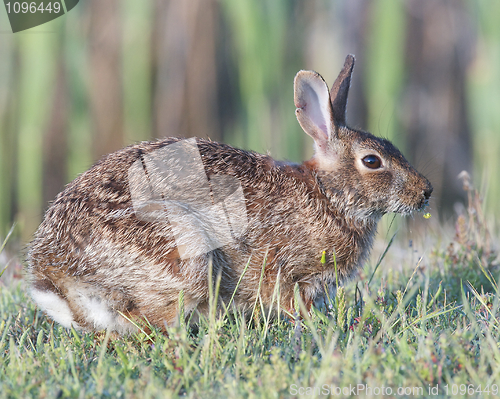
(148, 222)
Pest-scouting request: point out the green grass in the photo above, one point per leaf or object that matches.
(432, 327)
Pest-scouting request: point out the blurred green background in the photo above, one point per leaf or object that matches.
(110, 73)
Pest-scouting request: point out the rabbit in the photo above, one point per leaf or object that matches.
(179, 218)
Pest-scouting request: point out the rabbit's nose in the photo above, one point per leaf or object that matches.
(428, 190)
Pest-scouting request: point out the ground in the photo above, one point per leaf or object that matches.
(430, 330)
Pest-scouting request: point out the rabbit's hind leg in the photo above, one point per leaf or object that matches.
(163, 308)
(98, 308)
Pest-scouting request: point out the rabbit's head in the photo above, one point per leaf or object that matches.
(365, 176)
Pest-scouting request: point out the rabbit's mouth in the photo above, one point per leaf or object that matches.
(418, 203)
(426, 195)
(423, 204)
(407, 210)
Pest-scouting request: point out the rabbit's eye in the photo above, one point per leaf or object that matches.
(372, 161)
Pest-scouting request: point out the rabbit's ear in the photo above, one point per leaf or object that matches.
(340, 91)
(314, 110)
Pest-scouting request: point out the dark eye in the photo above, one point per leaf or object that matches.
(372, 161)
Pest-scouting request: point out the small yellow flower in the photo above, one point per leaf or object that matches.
(427, 215)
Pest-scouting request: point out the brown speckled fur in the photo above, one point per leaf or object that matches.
(91, 244)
